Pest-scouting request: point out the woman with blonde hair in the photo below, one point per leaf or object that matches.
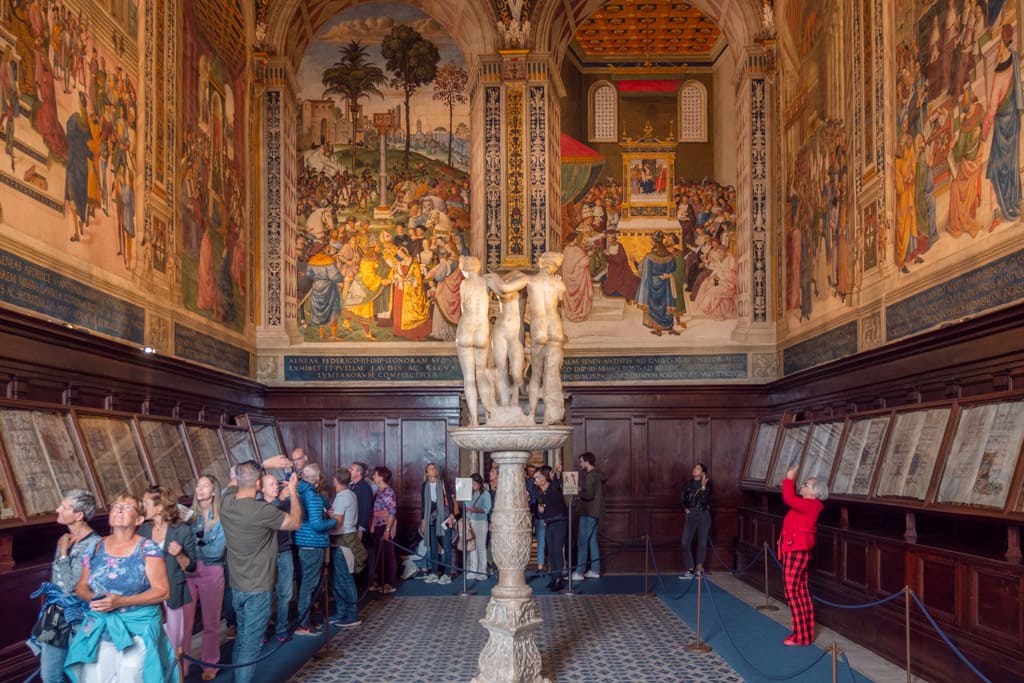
(164, 526)
(206, 583)
(437, 523)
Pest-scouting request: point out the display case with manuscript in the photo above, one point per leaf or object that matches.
(952, 456)
(265, 434)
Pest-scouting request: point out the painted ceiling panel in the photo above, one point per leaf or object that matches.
(223, 25)
(655, 28)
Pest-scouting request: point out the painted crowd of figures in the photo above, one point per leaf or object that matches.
(960, 103)
(670, 276)
(57, 66)
(393, 280)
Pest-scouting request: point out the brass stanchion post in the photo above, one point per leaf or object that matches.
(326, 651)
(647, 557)
(181, 662)
(767, 606)
(700, 645)
(834, 649)
(906, 621)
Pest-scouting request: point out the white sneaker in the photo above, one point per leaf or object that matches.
(576, 576)
(592, 575)
(444, 579)
(431, 578)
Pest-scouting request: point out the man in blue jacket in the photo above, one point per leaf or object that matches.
(312, 541)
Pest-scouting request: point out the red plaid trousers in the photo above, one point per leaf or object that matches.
(794, 568)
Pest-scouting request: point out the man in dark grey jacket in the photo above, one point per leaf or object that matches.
(591, 509)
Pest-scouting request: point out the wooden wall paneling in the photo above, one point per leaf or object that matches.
(640, 455)
(994, 609)
(330, 448)
(891, 570)
(610, 440)
(936, 585)
(826, 554)
(394, 459)
(666, 529)
(20, 613)
(619, 539)
(303, 433)
(854, 563)
(670, 453)
(361, 440)
(424, 442)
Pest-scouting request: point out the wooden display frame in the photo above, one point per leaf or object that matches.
(200, 437)
(760, 451)
(235, 438)
(835, 441)
(261, 428)
(958, 453)
(14, 496)
(881, 421)
(782, 459)
(89, 444)
(178, 487)
(926, 428)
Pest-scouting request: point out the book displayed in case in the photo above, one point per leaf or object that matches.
(983, 454)
(911, 453)
(208, 451)
(115, 454)
(265, 433)
(821, 450)
(859, 456)
(761, 452)
(792, 447)
(43, 457)
(239, 444)
(165, 444)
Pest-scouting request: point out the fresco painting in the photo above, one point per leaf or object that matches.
(68, 115)
(213, 228)
(376, 266)
(663, 280)
(959, 103)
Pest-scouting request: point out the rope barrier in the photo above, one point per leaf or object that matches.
(873, 603)
(953, 647)
(32, 676)
(689, 584)
(771, 677)
(846, 663)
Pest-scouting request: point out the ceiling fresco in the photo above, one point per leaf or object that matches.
(223, 25)
(656, 28)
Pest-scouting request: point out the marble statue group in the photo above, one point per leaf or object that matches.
(493, 360)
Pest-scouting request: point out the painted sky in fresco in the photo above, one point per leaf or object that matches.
(369, 23)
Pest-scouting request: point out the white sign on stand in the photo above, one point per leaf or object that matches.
(463, 489)
(570, 483)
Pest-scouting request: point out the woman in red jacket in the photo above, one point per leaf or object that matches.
(795, 544)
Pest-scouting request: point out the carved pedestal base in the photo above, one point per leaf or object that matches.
(510, 655)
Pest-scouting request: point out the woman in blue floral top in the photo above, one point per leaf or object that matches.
(385, 510)
(124, 581)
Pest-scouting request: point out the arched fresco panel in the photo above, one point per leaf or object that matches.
(373, 265)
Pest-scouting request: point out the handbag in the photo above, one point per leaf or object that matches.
(470, 540)
(51, 626)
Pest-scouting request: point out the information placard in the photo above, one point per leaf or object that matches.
(570, 483)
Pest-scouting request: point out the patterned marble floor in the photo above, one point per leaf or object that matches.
(584, 639)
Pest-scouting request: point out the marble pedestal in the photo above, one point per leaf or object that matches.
(512, 617)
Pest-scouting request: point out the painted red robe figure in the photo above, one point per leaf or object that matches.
(795, 545)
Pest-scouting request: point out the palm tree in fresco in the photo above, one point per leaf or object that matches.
(412, 61)
(450, 89)
(354, 77)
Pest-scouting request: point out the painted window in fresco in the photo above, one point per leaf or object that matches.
(693, 124)
(604, 110)
(383, 186)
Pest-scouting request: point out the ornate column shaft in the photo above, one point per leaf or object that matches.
(753, 285)
(277, 320)
(516, 106)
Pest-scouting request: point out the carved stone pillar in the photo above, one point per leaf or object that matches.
(511, 654)
(754, 234)
(515, 104)
(277, 92)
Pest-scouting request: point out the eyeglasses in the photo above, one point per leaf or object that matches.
(123, 507)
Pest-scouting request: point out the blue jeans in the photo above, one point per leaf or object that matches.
(252, 611)
(445, 539)
(346, 599)
(587, 541)
(283, 589)
(51, 663)
(311, 562)
(538, 525)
